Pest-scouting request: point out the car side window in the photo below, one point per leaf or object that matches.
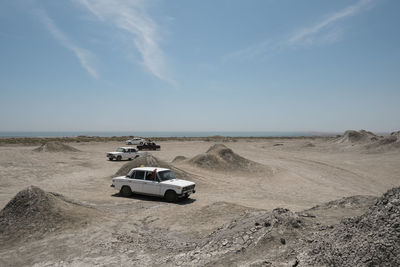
(151, 176)
(132, 176)
(139, 175)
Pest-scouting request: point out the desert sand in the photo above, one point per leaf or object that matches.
(259, 202)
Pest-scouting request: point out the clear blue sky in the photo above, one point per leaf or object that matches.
(268, 65)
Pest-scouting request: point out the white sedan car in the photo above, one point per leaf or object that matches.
(153, 181)
(135, 141)
(123, 153)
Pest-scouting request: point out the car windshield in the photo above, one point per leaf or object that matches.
(166, 175)
(120, 149)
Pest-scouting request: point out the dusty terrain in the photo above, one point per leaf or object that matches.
(231, 219)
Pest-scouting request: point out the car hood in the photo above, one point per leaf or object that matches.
(178, 182)
(119, 177)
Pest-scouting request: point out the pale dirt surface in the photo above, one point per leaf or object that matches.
(148, 231)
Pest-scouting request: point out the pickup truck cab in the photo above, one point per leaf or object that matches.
(123, 153)
(153, 181)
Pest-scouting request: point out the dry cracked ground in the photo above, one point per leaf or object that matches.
(273, 202)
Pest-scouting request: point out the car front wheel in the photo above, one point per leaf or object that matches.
(171, 196)
(125, 191)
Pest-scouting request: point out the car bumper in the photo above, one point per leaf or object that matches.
(187, 193)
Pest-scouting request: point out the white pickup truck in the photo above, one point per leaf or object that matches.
(123, 153)
(153, 181)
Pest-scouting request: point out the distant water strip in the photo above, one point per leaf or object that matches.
(158, 134)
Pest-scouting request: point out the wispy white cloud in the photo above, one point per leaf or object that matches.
(82, 54)
(309, 33)
(131, 17)
(324, 31)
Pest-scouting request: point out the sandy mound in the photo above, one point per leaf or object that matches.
(237, 243)
(346, 202)
(33, 212)
(55, 147)
(220, 157)
(397, 135)
(393, 140)
(388, 143)
(334, 211)
(371, 239)
(361, 136)
(308, 144)
(148, 160)
(179, 159)
(285, 238)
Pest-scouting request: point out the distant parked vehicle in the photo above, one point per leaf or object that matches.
(153, 181)
(135, 141)
(123, 153)
(149, 146)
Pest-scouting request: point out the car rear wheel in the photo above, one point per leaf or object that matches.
(125, 191)
(110, 159)
(119, 158)
(171, 196)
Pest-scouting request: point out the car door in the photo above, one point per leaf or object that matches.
(130, 153)
(137, 181)
(151, 186)
(124, 153)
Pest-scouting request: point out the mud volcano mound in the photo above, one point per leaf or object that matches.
(220, 157)
(308, 144)
(33, 212)
(372, 239)
(179, 159)
(361, 136)
(391, 142)
(148, 160)
(55, 147)
(285, 238)
(393, 139)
